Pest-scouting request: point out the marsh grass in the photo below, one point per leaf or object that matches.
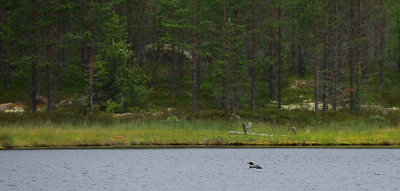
(194, 133)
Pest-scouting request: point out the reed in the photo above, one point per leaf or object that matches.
(205, 132)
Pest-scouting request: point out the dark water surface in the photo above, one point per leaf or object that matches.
(200, 169)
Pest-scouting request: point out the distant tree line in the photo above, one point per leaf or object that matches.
(238, 52)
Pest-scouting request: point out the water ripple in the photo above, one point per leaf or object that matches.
(200, 169)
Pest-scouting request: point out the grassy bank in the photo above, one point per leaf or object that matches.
(204, 132)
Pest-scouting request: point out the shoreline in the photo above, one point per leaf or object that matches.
(173, 145)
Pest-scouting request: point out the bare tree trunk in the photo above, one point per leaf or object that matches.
(228, 88)
(143, 33)
(293, 49)
(339, 61)
(153, 73)
(271, 55)
(351, 64)
(280, 62)
(49, 90)
(35, 84)
(359, 59)
(179, 72)
(382, 50)
(91, 60)
(253, 57)
(61, 65)
(235, 89)
(316, 63)
(300, 65)
(49, 71)
(224, 79)
(335, 62)
(194, 59)
(325, 73)
(173, 73)
(61, 52)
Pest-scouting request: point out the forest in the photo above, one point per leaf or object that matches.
(119, 56)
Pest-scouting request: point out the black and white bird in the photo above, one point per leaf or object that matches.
(252, 165)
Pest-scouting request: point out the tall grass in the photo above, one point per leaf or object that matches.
(204, 132)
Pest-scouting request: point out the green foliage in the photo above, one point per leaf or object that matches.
(112, 108)
(133, 85)
(172, 119)
(377, 119)
(315, 120)
(120, 32)
(6, 141)
(114, 46)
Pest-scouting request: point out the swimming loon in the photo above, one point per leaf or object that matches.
(252, 165)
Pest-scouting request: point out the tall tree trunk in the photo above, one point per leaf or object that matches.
(280, 61)
(325, 73)
(359, 59)
(293, 49)
(339, 61)
(382, 50)
(300, 65)
(194, 59)
(91, 60)
(155, 31)
(351, 64)
(271, 56)
(143, 41)
(35, 85)
(61, 53)
(49, 69)
(316, 62)
(235, 89)
(224, 80)
(334, 107)
(228, 79)
(179, 72)
(173, 60)
(253, 57)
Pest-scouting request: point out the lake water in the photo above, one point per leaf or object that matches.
(200, 169)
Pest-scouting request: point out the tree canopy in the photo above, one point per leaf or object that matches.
(218, 54)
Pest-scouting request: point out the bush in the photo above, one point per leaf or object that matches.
(6, 141)
(113, 107)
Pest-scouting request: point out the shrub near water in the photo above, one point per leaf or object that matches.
(6, 141)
